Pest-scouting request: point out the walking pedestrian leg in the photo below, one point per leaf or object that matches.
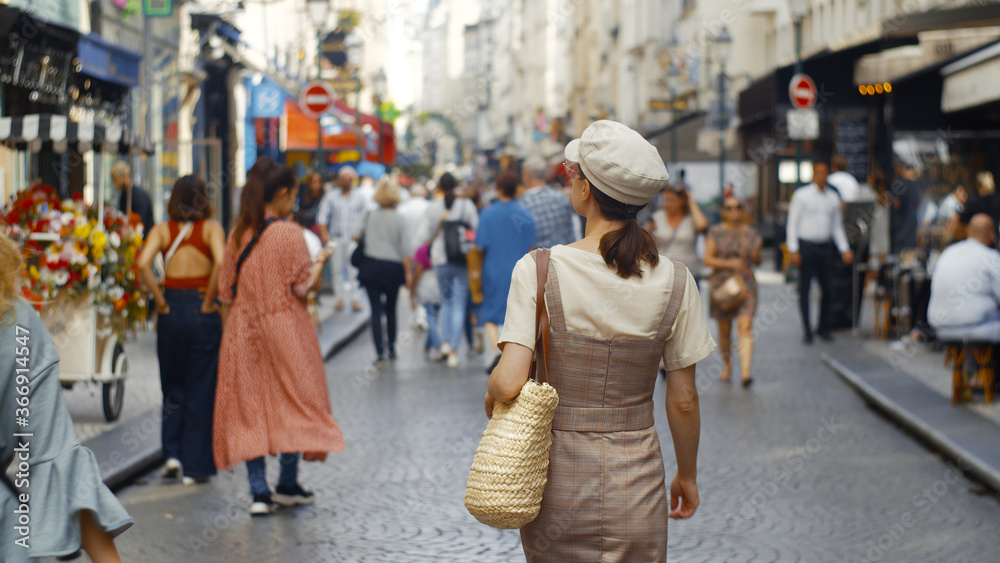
(375, 299)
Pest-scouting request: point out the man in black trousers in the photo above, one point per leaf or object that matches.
(815, 235)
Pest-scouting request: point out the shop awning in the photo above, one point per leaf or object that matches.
(107, 61)
(972, 81)
(299, 132)
(32, 132)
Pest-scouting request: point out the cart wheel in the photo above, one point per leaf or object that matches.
(114, 391)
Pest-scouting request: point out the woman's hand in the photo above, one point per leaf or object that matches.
(209, 306)
(163, 308)
(683, 497)
(488, 404)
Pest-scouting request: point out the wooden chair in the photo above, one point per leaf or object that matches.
(956, 353)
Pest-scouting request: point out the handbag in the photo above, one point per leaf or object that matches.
(358, 256)
(731, 294)
(474, 268)
(510, 468)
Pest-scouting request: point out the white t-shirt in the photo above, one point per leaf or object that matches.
(846, 184)
(598, 303)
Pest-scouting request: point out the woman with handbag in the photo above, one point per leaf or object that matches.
(444, 227)
(385, 267)
(189, 330)
(731, 248)
(272, 395)
(614, 310)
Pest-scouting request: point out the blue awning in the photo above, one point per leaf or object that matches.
(109, 62)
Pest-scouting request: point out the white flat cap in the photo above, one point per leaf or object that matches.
(619, 162)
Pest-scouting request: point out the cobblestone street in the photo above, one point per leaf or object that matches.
(795, 469)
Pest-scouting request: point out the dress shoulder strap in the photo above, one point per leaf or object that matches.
(674, 304)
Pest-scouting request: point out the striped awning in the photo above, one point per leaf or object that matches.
(31, 132)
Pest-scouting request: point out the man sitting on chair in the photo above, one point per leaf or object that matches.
(965, 287)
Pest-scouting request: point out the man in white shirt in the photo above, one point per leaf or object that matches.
(815, 232)
(845, 182)
(338, 215)
(965, 287)
(412, 210)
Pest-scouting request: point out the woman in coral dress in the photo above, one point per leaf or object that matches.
(272, 395)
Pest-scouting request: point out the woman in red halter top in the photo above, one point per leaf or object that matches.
(189, 328)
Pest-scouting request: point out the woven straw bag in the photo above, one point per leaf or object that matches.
(511, 464)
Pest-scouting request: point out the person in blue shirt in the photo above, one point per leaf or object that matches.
(506, 233)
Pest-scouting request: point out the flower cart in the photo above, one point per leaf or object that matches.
(81, 274)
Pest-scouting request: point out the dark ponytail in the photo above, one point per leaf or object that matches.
(626, 248)
(264, 181)
(447, 183)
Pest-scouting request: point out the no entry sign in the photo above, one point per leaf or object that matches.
(802, 91)
(316, 98)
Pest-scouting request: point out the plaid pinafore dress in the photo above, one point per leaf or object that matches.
(605, 499)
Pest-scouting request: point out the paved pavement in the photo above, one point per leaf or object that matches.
(797, 468)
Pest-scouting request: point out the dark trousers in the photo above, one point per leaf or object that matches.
(817, 262)
(383, 302)
(187, 343)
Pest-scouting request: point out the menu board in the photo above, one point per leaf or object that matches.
(850, 132)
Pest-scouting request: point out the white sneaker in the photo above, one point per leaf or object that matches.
(444, 352)
(453, 360)
(171, 469)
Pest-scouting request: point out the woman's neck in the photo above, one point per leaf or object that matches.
(732, 224)
(272, 208)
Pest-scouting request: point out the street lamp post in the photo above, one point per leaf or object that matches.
(318, 12)
(673, 77)
(353, 44)
(723, 44)
(799, 10)
(379, 85)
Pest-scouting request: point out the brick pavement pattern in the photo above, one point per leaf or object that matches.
(795, 469)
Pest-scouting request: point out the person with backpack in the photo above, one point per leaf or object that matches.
(449, 226)
(272, 394)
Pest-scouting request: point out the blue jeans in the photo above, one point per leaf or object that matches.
(433, 341)
(187, 345)
(257, 473)
(453, 280)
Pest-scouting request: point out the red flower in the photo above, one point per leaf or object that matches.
(77, 196)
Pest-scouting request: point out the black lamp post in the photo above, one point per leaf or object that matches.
(723, 45)
(319, 10)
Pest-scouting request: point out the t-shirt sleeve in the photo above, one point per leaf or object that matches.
(519, 324)
(690, 341)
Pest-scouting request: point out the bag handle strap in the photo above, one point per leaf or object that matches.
(246, 251)
(173, 247)
(541, 318)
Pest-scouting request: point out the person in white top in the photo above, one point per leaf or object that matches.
(413, 210)
(815, 231)
(965, 287)
(845, 182)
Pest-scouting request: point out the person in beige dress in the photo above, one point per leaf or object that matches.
(615, 310)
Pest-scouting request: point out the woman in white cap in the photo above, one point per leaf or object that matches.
(615, 309)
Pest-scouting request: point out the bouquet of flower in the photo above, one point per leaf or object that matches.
(67, 255)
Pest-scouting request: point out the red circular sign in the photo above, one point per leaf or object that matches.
(802, 91)
(316, 98)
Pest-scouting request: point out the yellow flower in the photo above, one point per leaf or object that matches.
(82, 231)
(33, 272)
(99, 239)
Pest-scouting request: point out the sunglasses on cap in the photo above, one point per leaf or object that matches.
(572, 169)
